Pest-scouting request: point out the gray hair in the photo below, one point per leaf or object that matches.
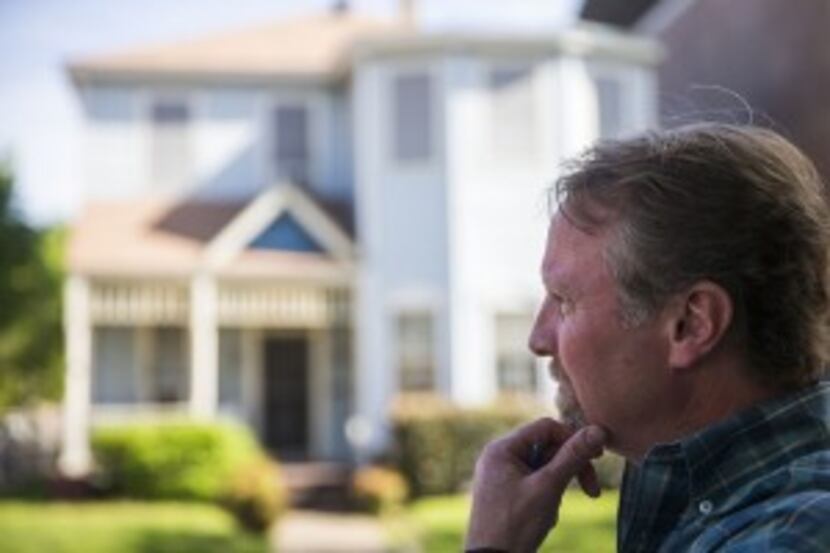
(737, 205)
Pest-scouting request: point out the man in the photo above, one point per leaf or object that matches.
(686, 322)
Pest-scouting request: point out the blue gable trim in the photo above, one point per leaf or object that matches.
(285, 233)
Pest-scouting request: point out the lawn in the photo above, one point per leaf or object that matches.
(585, 525)
(122, 527)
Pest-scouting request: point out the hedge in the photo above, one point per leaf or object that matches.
(437, 443)
(217, 462)
(179, 460)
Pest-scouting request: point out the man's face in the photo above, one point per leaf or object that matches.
(608, 373)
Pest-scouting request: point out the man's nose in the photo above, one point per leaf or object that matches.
(542, 339)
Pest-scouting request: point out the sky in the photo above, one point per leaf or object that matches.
(40, 125)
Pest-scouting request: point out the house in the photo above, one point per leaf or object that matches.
(738, 60)
(290, 225)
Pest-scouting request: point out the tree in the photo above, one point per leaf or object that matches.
(31, 358)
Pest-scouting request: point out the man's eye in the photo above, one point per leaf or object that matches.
(563, 305)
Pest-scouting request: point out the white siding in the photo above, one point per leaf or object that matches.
(402, 225)
(114, 143)
(228, 146)
(498, 222)
(339, 172)
(230, 139)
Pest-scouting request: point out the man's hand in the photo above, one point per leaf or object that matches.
(514, 507)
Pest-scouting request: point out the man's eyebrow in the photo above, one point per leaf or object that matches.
(553, 281)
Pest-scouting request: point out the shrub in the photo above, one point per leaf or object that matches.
(379, 489)
(255, 494)
(436, 443)
(182, 460)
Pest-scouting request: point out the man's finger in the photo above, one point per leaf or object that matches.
(572, 457)
(588, 481)
(544, 431)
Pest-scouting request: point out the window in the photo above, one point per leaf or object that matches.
(416, 359)
(170, 147)
(512, 112)
(169, 368)
(114, 378)
(515, 366)
(230, 369)
(609, 107)
(291, 143)
(412, 117)
(109, 105)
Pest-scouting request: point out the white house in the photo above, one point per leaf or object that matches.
(292, 224)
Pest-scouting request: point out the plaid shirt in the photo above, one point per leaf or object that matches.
(758, 481)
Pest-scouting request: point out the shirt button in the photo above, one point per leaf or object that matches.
(705, 507)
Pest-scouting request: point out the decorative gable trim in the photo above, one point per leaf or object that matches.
(264, 210)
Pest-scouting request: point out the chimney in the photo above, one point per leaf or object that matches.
(340, 8)
(406, 9)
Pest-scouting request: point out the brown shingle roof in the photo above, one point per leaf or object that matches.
(165, 238)
(146, 237)
(613, 12)
(312, 46)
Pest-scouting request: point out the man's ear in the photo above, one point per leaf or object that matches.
(698, 322)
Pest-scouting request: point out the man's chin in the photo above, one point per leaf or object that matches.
(570, 413)
(574, 419)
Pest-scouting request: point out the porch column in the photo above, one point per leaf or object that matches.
(75, 459)
(204, 347)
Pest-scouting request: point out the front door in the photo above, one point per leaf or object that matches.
(286, 396)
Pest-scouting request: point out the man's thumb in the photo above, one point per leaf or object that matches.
(570, 460)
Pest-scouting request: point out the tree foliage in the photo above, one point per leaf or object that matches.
(30, 306)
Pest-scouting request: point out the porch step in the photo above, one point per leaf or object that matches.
(319, 485)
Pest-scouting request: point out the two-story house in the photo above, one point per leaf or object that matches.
(291, 225)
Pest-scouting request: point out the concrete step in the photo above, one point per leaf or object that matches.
(321, 486)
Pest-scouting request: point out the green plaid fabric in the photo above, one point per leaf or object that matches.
(759, 481)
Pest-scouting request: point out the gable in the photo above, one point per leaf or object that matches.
(286, 233)
(282, 219)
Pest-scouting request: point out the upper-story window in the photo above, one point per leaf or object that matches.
(170, 144)
(416, 355)
(291, 137)
(412, 117)
(513, 113)
(609, 92)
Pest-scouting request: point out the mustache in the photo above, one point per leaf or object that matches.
(556, 372)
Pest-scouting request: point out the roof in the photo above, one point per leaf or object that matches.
(322, 48)
(158, 238)
(585, 39)
(613, 12)
(312, 47)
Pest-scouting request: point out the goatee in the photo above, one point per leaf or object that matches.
(569, 409)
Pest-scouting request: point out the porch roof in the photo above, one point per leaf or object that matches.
(163, 238)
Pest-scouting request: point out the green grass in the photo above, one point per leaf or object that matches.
(585, 525)
(122, 527)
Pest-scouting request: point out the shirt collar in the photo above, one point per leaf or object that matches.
(725, 454)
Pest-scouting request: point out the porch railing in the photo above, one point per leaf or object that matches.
(238, 304)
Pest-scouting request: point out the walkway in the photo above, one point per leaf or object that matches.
(324, 532)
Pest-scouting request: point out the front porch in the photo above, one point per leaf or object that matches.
(276, 356)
